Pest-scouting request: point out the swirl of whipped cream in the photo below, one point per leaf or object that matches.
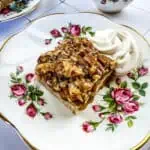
(120, 46)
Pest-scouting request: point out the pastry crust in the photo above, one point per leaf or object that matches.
(74, 72)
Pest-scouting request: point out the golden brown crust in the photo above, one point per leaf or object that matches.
(75, 71)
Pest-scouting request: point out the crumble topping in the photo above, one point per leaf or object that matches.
(75, 70)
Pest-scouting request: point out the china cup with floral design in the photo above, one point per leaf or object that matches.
(112, 6)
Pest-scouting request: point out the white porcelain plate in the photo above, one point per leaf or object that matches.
(64, 130)
(13, 15)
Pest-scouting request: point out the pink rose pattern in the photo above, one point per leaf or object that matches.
(47, 115)
(48, 41)
(29, 77)
(121, 95)
(143, 71)
(64, 29)
(115, 118)
(87, 127)
(75, 30)
(68, 31)
(122, 102)
(41, 102)
(131, 107)
(135, 74)
(21, 102)
(96, 108)
(31, 110)
(19, 69)
(23, 89)
(55, 33)
(18, 90)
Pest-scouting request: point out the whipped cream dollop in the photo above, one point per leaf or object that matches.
(120, 46)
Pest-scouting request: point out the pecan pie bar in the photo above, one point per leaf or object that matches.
(74, 71)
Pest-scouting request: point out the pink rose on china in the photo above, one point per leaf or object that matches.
(143, 71)
(101, 115)
(47, 116)
(19, 69)
(29, 77)
(41, 102)
(31, 110)
(96, 108)
(75, 30)
(87, 127)
(131, 107)
(121, 95)
(48, 41)
(18, 90)
(115, 118)
(21, 102)
(55, 33)
(64, 30)
(27, 92)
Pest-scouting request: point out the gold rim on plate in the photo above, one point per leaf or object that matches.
(136, 147)
(19, 134)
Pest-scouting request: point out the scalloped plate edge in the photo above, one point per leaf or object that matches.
(136, 147)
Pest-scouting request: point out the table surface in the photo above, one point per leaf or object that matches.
(136, 15)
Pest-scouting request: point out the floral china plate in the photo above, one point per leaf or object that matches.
(17, 9)
(118, 119)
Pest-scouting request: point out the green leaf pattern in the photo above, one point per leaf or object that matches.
(33, 93)
(112, 107)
